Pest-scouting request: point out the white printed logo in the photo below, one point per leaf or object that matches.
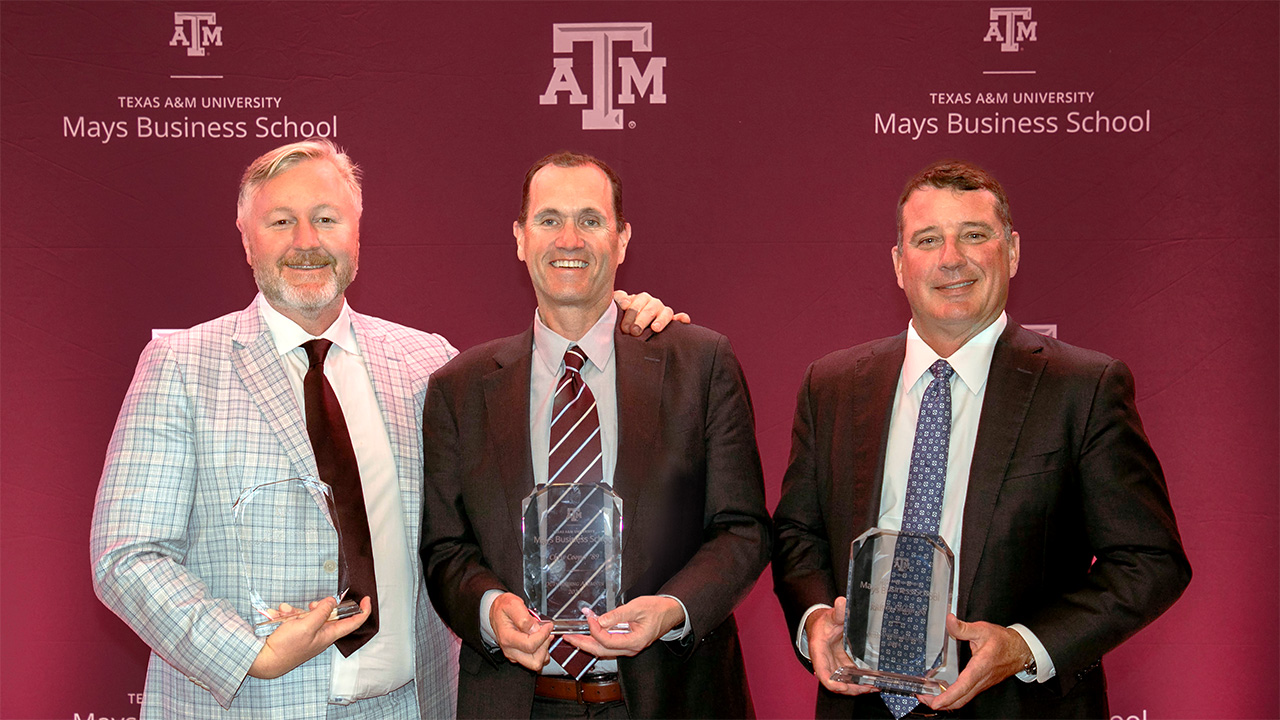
(197, 31)
(1018, 27)
(602, 115)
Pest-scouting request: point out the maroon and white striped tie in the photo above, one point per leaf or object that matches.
(575, 457)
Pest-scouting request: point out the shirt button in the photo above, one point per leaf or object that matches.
(330, 566)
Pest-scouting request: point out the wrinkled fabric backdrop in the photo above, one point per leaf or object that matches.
(762, 145)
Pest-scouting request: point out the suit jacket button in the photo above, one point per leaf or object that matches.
(330, 566)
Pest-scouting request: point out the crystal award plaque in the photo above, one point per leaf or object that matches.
(572, 553)
(895, 627)
(287, 533)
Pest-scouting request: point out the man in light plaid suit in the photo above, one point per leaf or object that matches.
(218, 409)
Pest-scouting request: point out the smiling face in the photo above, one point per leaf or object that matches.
(954, 264)
(570, 243)
(301, 235)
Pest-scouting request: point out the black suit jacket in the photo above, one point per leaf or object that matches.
(1062, 474)
(689, 476)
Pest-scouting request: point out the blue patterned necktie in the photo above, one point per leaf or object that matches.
(905, 617)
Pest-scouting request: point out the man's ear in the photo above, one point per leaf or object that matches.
(244, 240)
(518, 231)
(1015, 252)
(624, 237)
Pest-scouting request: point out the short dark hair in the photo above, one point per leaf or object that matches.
(567, 159)
(958, 176)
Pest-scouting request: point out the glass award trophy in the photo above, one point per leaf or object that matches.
(572, 554)
(895, 627)
(287, 532)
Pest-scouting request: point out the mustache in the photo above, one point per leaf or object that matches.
(314, 257)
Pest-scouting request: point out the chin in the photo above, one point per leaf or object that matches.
(307, 299)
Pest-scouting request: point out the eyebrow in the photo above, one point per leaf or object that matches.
(317, 208)
(556, 212)
(966, 225)
(924, 231)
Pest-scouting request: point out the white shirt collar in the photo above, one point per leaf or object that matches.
(288, 335)
(972, 362)
(549, 346)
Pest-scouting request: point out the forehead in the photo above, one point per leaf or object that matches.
(305, 185)
(930, 206)
(570, 189)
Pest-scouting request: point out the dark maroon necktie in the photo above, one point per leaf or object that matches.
(336, 460)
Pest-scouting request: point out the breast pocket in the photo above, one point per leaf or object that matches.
(1040, 463)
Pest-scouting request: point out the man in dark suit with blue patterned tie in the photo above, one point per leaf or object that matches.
(1052, 499)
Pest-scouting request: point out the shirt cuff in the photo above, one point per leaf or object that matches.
(1045, 670)
(486, 627)
(802, 640)
(681, 631)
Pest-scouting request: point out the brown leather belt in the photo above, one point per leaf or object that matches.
(589, 691)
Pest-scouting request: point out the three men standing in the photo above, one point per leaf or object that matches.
(675, 440)
(1048, 492)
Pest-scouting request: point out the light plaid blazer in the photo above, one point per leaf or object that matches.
(210, 413)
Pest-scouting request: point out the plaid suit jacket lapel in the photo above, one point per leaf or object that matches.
(254, 357)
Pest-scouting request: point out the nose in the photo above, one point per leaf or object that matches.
(569, 238)
(305, 235)
(952, 256)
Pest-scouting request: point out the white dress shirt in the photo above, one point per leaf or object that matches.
(972, 364)
(385, 663)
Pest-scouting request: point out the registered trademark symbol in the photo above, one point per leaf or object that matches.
(632, 124)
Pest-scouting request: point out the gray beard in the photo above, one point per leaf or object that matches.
(310, 299)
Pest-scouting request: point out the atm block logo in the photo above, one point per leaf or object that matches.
(196, 31)
(1009, 27)
(605, 40)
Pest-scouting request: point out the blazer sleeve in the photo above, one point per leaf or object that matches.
(1140, 567)
(736, 524)
(139, 536)
(453, 564)
(802, 562)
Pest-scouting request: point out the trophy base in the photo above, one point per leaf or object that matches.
(580, 627)
(345, 609)
(890, 682)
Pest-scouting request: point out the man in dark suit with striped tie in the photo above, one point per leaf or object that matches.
(664, 419)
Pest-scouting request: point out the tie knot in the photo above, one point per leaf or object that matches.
(574, 358)
(942, 370)
(317, 350)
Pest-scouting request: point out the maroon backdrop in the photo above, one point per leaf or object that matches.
(763, 150)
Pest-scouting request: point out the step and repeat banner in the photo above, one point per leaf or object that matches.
(762, 146)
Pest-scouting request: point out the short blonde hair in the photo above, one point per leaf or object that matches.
(275, 162)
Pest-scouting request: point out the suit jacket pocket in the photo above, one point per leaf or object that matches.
(1035, 464)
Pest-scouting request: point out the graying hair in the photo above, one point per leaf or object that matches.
(277, 161)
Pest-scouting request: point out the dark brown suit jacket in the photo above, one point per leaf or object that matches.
(1062, 474)
(689, 476)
